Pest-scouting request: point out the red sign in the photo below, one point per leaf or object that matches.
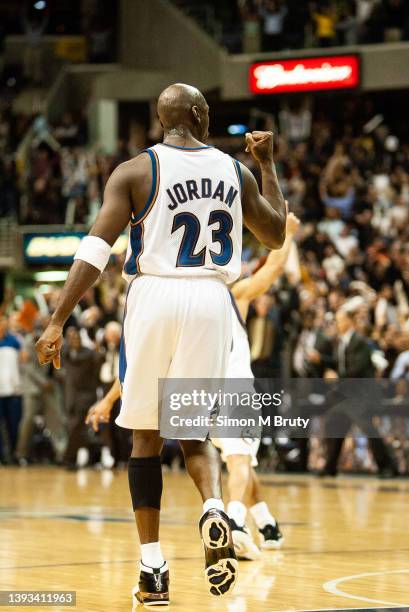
(305, 74)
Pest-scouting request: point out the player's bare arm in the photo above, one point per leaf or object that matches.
(264, 214)
(126, 191)
(101, 411)
(248, 289)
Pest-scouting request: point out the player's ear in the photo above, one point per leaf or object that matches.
(196, 114)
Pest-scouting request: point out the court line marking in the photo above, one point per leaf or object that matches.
(332, 587)
(340, 609)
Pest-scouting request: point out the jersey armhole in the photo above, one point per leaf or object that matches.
(154, 189)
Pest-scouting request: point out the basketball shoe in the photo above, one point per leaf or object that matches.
(271, 537)
(244, 545)
(220, 559)
(153, 587)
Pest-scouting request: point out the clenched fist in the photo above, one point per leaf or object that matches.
(260, 145)
(49, 345)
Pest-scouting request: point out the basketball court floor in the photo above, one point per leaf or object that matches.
(346, 542)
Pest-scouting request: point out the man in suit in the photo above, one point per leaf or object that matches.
(313, 350)
(40, 397)
(82, 366)
(353, 360)
(312, 354)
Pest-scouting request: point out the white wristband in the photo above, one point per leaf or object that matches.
(94, 251)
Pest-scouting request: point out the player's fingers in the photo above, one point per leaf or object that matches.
(260, 136)
(261, 141)
(57, 361)
(43, 359)
(92, 420)
(250, 142)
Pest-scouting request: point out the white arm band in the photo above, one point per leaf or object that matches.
(94, 251)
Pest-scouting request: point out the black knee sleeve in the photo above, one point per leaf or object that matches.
(145, 481)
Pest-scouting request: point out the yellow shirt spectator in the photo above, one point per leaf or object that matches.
(325, 24)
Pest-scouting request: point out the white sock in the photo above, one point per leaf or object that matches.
(149, 570)
(261, 515)
(237, 511)
(151, 554)
(212, 502)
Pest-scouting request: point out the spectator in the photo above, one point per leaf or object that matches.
(325, 21)
(295, 123)
(67, 132)
(353, 360)
(273, 13)
(117, 438)
(263, 337)
(10, 388)
(81, 380)
(313, 350)
(40, 398)
(34, 24)
(251, 26)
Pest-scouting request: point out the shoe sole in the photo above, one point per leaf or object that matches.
(244, 546)
(149, 603)
(221, 575)
(271, 544)
(215, 533)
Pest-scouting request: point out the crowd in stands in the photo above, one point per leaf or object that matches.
(347, 180)
(274, 25)
(94, 21)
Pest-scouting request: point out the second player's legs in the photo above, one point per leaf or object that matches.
(203, 464)
(239, 478)
(254, 489)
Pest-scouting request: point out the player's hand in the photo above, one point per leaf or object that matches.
(49, 345)
(99, 413)
(293, 223)
(260, 145)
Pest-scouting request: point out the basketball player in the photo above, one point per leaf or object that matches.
(240, 454)
(185, 202)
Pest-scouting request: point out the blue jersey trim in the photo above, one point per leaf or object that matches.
(131, 267)
(239, 173)
(122, 360)
(185, 148)
(122, 348)
(153, 192)
(237, 311)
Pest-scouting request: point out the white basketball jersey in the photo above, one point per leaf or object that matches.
(191, 224)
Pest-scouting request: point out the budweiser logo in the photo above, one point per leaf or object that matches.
(269, 77)
(305, 74)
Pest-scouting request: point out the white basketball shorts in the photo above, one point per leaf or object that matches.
(173, 328)
(238, 446)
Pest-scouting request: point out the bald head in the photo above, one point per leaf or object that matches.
(183, 106)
